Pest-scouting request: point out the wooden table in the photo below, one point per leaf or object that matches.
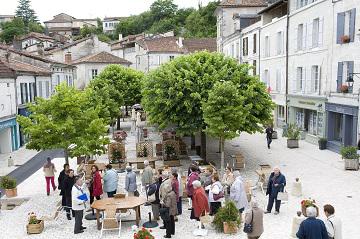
(140, 161)
(118, 204)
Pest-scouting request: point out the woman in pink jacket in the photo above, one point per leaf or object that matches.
(193, 176)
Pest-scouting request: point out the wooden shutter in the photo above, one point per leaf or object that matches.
(340, 26)
(309, 34)
(352, 24)
(339, 76)
(321, 31)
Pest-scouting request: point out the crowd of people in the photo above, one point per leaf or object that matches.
(204, 188)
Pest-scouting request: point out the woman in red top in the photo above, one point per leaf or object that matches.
(200, 201)
(175, 185)
(95, 187)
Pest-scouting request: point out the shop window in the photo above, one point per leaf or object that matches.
(338, 127)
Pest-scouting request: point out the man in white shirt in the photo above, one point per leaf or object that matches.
(332, 223)
(78, 205)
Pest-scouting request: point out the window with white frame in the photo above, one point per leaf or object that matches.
(279, 43)
(345, 30)
(300, 79)
(40, 89)
(315, 32)
(267, 46)
(171, 58)
(315, 78)
(57, 79)
(232, 50)
(24, 93)
(300, 37)
(245, 46)
(267, 78)
(94, 73)
(302, 3)
(32, 91)
(47, 89)
(345, 69)
(278, 80)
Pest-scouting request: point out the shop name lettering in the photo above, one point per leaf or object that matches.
(7, 124)
(307, 103)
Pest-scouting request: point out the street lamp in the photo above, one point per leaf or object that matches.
(350, 79)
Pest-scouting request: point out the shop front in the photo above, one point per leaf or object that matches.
(23, 138)
(341, 126)
(8, 136)
(279, 111)
(308, 113)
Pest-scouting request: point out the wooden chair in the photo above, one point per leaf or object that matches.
(53, 218)
(110, 222)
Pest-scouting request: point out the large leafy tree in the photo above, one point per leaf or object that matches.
(25, 12)
(161, 9)
(63, 121)
(173, 94)
(12, 29)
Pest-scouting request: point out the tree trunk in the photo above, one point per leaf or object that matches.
(126, 111)
(193, 141)
(222, 155)
(203, 145)
(66, 154)
(219, 151)
(118, 123)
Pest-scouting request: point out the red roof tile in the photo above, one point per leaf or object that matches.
(102, 57)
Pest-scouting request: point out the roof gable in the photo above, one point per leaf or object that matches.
(102, 57)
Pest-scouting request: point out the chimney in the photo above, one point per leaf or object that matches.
(120, 37)
(68, 59)
(40, 49)
(180, 42)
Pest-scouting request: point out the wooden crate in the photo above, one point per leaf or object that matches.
(35, 228)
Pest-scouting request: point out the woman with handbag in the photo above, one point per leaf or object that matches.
(216, 194)
(238, 193)
(254, 224)
(276, 184)
(200, 201)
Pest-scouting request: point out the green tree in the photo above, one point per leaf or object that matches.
(65, 120)
(173, 94)
(35, 27)
(12, 29)
(161, 9)
(164, 25)
(25, 12)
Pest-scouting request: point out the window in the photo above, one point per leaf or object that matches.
(232, 54)
(71, 83)
(237, 50)
(279, 43)
(267, 46)
(300, 79)
(254, 43)
(315, 32)
(302, 3)
(245, 46)
(278, 80)
(254, 67)
(94, 73)
(40, 89)
(172, 58)
(345, 30)
(158, 60)
(345, 68)
(57, 79)
(47, 89)
(267, 78)
(24, 93)
(106, 24)
(315, 76)
(300, 37)
(32, 91)
(338, 127)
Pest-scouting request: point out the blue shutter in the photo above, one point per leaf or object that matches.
(340, 26)
(352, 24)
(350, 70)
(339, 75)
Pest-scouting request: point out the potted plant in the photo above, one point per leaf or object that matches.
(309, 203)
(170, 152)
(322, 143)
(9, 184)
(344, 89)
(34, 226)
(144, 234)
(227, 218)
(345, 39)
(293, 135)
(351, 158)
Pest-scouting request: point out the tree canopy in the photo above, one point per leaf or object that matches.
(12, 29)
(64, 120)
(25, 12)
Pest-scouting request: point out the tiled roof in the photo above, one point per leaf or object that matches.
(5, 71)
(200, 44)
(114, 18)
(67, 45)
(243, 3)
(36, 35)
(102, 57)
(21, 67)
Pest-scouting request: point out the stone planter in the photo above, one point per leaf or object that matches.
(292, 143)
(351, 164)
(10, 193)
(35, 228)
(230, 228)
(322, 144)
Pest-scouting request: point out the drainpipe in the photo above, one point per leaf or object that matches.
(148, 62)
(287, 63)
(258, 50)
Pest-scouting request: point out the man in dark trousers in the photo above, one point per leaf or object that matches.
(276, 184)
(269, 131)
(68, 183)
(78, 204)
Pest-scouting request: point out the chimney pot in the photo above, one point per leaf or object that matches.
(68, 59)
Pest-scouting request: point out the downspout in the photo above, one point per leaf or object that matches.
(148, 62)
(258, 50)
(287, 63)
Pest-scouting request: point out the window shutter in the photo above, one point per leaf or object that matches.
(295, 81)
(339, 76)
(319, 80)
(306, 84)
(340, 26)
(304, 36)
(309, 35)
(352, 24)
(321, 30)
(295, 41)
(350, 67)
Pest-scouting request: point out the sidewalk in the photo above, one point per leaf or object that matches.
(20, 157)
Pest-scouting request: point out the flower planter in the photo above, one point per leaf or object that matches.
(292, 143)
(322, 144)
(230, 228)
(10, 193)
(351, 164)
(35, 228)
(345, 39)
(303, 210)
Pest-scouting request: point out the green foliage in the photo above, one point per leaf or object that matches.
(162, 9)
(322, 140)
(174, 93)
(349, 152)
(293, 132)
(63, 120)
(228, 213)
(12, 29)
(164, 25)
(104, 38)
(25, 12)
(35, 27)
(7, 182)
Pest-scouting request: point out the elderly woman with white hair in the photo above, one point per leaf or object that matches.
(147, 176)
(312, 228)
(255, 216)
(238, 193)
(130, 182)
(199, 201)
(276, 184)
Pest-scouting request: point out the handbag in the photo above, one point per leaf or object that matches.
(165, 213)
(218, 196)
(136, 193)
(283, 196)
(248, 227)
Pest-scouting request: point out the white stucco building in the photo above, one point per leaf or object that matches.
(109, 24)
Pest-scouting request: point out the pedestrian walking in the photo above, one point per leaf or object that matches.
(333, 224)
(68, 184)
(269, 132)
(78, 205)
(110, 181)
(95, 187)
(312, 228)
(238, 193)
(216, 195)
(276, 184)
(147, 176)
(130, 182)
(155, 205)
(228, 179)
(170, 202)
(49, 172)
(254, 216)
(200, 202)
(193, 176)
(61, 178)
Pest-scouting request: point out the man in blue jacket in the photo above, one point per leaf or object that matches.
(276, 184)
(312, 228)
(110, 181)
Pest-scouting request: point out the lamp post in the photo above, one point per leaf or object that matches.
(350, 79)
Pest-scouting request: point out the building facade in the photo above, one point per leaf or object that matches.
(109, 24)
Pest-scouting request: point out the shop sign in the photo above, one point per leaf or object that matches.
(307, 102)
(7, 124)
